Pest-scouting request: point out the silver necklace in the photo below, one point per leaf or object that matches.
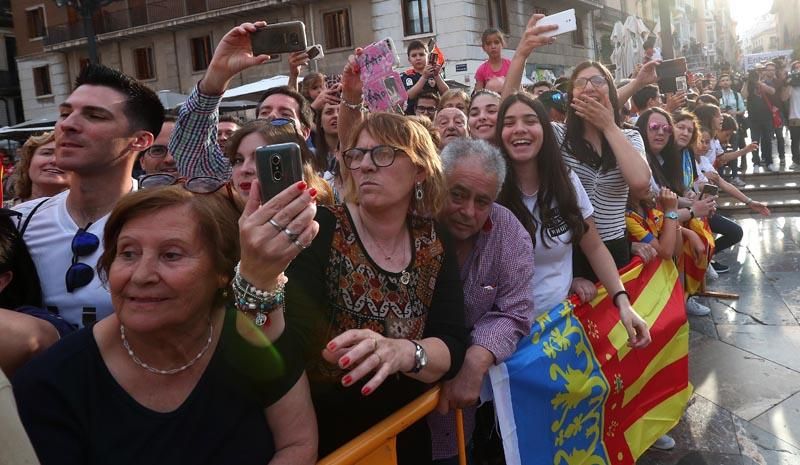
(173, 371)
(405, 276)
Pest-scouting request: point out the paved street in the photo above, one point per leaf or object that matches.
(744, 359)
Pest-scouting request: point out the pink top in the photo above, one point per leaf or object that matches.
(485, 71)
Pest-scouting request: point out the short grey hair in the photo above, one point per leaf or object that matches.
(487, 154)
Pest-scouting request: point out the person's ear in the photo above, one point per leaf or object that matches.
(142, 140)
(5, 279)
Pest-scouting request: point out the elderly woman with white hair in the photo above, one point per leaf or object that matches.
(495, 257)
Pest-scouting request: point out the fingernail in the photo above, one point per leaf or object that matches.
(301, 186)
(331, 346)
(347, 380)
(344, 361)
(312, 192)
(366, 391)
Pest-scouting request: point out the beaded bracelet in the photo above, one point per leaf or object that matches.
(251, 300)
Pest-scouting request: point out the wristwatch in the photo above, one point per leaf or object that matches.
(420, 358)
(672, 215)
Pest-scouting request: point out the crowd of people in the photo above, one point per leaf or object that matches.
(156, 309)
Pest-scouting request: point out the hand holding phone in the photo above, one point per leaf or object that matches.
(274, 39)
(565, 20)
(709, 190)
(278, 166)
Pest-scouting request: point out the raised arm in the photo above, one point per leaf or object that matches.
(194, 141)
(532, 39)
(351, 109)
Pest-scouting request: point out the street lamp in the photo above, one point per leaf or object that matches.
(86, 9)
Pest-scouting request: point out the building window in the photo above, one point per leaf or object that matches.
(36, 26)
(336, 25)
(540, 11)
(144, 63)
(577, 35)
(41, 81)
(498, 14)
(417, 17)
(201, 52)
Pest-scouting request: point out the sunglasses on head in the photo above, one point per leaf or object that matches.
(195, 185)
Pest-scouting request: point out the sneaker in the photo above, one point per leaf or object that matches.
(664, 443)
(719, 267)
(711, 273)
(773, 167)
(737, 181)
(794, 167)
(694, 307)
(756, 161)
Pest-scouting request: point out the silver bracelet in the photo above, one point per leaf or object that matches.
(252, 300)
(355, 106)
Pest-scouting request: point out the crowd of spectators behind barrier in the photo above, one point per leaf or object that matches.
(151, 298)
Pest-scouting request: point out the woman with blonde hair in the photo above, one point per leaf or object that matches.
(37, 174)
(376, 300)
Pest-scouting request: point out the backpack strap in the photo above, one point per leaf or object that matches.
(30, 215)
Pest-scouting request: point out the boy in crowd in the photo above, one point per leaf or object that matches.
(422, 77)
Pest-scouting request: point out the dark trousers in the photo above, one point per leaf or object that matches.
(794, 133)
(730, 232)
(761, 131)
(620, 250)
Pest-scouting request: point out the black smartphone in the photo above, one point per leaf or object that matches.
(709, 189)
(274, 39)
(668, 71)
(433, 58)
(278, 166)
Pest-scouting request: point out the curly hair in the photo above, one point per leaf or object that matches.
(23, 186)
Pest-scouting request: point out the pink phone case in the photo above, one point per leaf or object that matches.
(383, 88)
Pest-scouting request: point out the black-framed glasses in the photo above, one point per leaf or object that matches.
(382, 156)
(196, 184)
(425, 110)
(596, 80)
(157, 151)
(80, 274)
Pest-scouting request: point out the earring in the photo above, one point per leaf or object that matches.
(418, 193)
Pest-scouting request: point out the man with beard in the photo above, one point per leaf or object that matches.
(451, 123)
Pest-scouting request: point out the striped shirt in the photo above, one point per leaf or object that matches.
(194, 139)
(607, 190)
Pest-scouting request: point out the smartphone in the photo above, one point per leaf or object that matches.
(681, 84)
(274, 39)
(433, 58)
(315, 52)
(565, 21)
(668, 71)
(378, 59)
(709, 189)
(278, 166)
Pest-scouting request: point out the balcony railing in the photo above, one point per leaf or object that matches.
(152, 12)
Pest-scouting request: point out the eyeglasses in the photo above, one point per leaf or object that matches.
(196, 185)
(382, 156)
(157, 151)
(597, 81)
(80, 274)
(426, 110)
(655, 127)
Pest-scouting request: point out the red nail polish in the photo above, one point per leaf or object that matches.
(312, 192)
(347, 380)
(331, 346)
(301, 186)
(366, 391)
(345, 361)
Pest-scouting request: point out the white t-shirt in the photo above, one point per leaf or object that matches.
(49, 239)
(607, 190)
(703, 166)
(553, 276)
(714, 150)
(794, 103)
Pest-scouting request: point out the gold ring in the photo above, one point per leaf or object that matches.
(375, 347)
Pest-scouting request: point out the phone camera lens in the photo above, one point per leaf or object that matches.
(277, 175)
(276, 160)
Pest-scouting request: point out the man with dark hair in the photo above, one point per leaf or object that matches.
(228, 124)
(107, 120)
(194, 140)
(555, 103)
(158, 158)
(427, 104)
(539, 87)
(646, 97)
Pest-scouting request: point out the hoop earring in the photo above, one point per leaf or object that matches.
(418, 192)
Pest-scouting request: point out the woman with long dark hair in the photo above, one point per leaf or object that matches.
(549, 200)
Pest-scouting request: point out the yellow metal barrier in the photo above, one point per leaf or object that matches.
(378, 445)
